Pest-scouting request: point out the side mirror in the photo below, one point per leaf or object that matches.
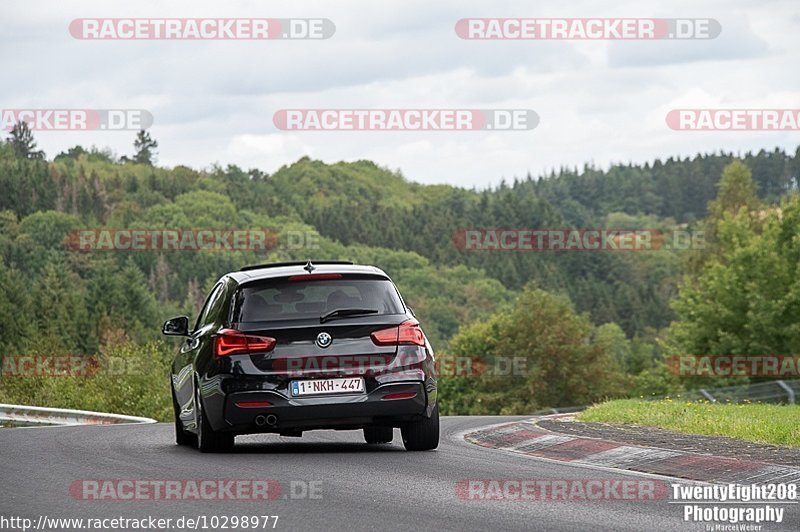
(176, 326)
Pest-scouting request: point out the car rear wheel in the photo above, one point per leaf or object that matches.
(208, 440)
(182, 436)
(422, 435)
(378, 434)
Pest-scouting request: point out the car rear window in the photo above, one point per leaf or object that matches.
(290, 300)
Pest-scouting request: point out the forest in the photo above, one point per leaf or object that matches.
(588, 325)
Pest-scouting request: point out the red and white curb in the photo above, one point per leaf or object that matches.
(525, 437)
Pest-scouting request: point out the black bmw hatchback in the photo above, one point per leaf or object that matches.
(290, 347)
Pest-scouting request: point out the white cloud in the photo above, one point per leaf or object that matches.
(270, 151)
(598, 101)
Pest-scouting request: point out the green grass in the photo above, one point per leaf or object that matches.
(763, 423)
(141, 390)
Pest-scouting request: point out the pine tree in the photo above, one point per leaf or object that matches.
(21, 140)
(145, 148)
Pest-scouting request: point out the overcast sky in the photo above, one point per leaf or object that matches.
(598, 101)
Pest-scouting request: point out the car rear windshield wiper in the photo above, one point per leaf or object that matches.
(344, 312)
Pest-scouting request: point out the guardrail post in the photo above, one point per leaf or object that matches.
(789, 391)
(707, 395)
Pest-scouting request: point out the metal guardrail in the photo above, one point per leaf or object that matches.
(785, 392)
(37, 415)
(762, 392)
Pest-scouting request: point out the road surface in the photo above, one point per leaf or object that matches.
(354, 486)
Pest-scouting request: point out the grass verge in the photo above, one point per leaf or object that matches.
(132, 380)
(763, 423)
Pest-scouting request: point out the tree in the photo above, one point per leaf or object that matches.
(736, 198)
(17, 331)
(736, 189)
(21, 140)
(747, 296)
(567, 361)
(59, 312)
(145, 148)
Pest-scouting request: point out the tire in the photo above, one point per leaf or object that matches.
(182, 436)
(208, 440)
(377, 434)
(422, 435)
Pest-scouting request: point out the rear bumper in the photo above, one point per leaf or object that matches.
(330, 411)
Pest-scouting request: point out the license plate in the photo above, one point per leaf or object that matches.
(321, 386)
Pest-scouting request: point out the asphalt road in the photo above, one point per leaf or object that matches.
(356, 487)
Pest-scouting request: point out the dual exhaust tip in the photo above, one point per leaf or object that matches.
(268, 420)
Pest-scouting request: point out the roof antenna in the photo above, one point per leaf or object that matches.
(309, 267)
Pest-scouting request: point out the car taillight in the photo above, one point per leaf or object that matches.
(407, 333)
(233, 342)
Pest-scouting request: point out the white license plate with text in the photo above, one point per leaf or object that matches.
(323, 386)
